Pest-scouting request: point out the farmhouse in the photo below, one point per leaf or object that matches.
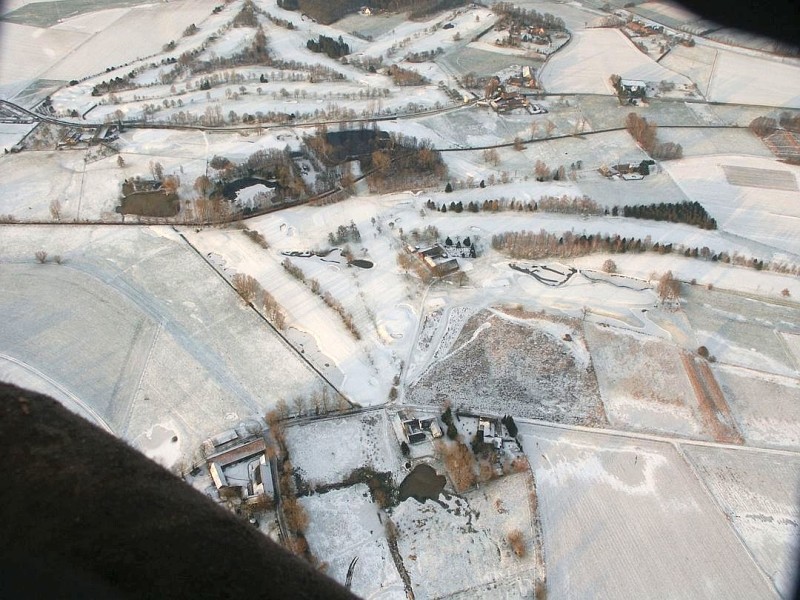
(491, 431)
(633, 88)
(437, 260)
(417, 430)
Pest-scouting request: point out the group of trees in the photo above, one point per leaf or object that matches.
(691, 213)
(513, 16)
(645, 135)
(405, 161)
(406, 77)
(580, 205)
(344, 234)
(250, 289)
(329, 46)
(328, 11)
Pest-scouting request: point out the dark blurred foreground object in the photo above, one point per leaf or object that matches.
(778, 19)
(84, 515)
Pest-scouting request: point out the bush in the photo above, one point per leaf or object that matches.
(703, 351)
(41, 256)
(452, 432)
(517, 543)
(609, 266)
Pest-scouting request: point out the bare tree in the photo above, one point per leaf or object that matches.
(609, 266)
(669, 288)
(41, 256)
(246, 285)
(55, 209)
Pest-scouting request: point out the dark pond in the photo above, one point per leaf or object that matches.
(423, 483)
(364, 264)
(229, 189)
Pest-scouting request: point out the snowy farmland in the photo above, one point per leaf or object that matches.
(343, 445)
(660, 533)
(757, 491)
(459, 545)
(139, 331)
(662, 437)
(587, 62)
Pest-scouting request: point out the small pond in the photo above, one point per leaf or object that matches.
(423, 483)
(363, 264)
(229, 189)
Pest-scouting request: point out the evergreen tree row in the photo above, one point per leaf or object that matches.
(691, 213)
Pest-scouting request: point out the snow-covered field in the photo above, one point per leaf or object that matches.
(768, 216)
(123, 41)
(626, 518)
(343, 525)
(757, 491)
(592, 56)
(460, 543)
(340, 446)
(754, 80)
(27, 52)
(766, 407)
(136, 327)
(643, 383)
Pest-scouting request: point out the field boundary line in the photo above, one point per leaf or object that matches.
(252, 307)
(718, 505)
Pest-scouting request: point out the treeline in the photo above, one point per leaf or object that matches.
(328, 11)
(405, 77)
(557, 204)
(249, 289)
(691, 213)
(645, 135)
(329, 46)
(327, 298)
(531, 245)
(511, 15)
(765, 126)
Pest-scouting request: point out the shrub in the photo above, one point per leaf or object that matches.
(609, 266)
(41, 256)
(517, 543)
(703, 351)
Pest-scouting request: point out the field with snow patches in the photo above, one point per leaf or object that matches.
(137, 329)
(757, 491)
(767, 216)
(626, 518)
(514, 366)
(592, 56)
(742, 331)
(766, 407)
(643, 383)
(344, 524)
(459, 544)
(343, 445)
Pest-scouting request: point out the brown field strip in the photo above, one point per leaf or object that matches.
(716, 415)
